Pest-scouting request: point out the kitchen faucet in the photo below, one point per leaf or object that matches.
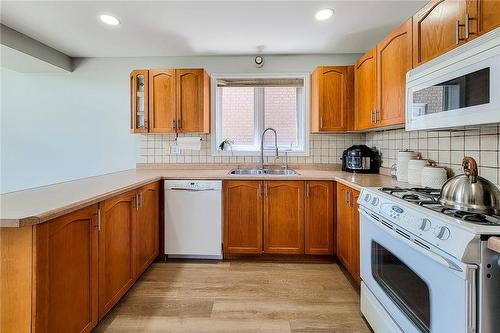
(262, 145)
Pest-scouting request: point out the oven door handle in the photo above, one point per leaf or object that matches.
(434, 256)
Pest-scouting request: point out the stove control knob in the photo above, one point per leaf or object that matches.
(442, 233)
(367, 197)
(425, 225)
(375, 201)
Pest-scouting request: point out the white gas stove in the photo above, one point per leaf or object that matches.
(426, 268)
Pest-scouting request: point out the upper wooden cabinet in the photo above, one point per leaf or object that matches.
(243, 217)
(170, 100)
(442, 25)
(332, 89)
(319, 217)
(394, 60)
(284, 217)
(348, 229)
(365, 90)
(193, 92)
(162, 101)
(139, 103)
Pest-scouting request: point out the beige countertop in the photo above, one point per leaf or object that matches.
(38, 205)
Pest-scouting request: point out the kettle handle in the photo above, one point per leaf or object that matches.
(470, 168)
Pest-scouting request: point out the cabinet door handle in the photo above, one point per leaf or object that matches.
(373, 116)
(347, 198)
(137, 201)
(321, 122)
(377, 115)
(174, 124)
(307, 190)
(467, 26)
(265, 190)
(141, 197)
(457, 32)
(99, 219)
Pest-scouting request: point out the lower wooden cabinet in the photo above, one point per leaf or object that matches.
(146, 228)
(319, 217)
(65, 274)
(243, 217)
(284, 217)
(348, 229)
(278, 217)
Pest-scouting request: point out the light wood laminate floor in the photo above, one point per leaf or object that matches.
(239, 297)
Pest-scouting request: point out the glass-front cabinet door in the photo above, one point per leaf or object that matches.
(139, 101)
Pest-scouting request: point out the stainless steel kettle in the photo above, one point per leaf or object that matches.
(470, 192)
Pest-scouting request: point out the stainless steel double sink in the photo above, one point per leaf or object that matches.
(260, 172)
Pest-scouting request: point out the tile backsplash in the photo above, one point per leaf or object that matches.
(156, 148)
(446, 147)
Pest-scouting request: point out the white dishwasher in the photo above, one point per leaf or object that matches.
(193, 219)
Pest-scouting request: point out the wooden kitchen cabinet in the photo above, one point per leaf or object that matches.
(348, 229)
(365, 90)
(139, 102)
(146, 228)
(394, 60)
(193, 100)
(116, 258)
(284, 217)
(487, 13)
(332, 99)
(243, 217)
(319, 217)
(49, 275)
(162, 101)
(170, 101)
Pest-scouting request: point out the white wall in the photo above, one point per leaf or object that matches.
(59, 127)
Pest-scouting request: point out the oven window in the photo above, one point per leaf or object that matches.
(402, 285)
(465, 91)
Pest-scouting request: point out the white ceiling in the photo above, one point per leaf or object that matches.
(185, 28)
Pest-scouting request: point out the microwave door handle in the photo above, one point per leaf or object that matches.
(434, 256)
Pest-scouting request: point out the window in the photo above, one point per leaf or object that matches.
(245, 106)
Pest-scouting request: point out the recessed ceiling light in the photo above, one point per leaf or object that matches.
(324, 14)
(111, 20)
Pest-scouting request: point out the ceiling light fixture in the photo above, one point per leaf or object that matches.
(110, 20)
(324, 14)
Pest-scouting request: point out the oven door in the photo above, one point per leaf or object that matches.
(422, 291)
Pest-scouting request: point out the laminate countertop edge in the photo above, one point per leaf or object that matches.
(34, 206)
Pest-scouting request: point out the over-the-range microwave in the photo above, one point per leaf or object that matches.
(459, 88)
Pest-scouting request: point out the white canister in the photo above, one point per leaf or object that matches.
(402, 164)
(434, 177)
(415, 168)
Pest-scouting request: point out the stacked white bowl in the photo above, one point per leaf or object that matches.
(402, 164)
(415, 167)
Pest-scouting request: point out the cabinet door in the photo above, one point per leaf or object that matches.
(139, 104)
(192, 100)
(243, 217)
(284, 217)
(365, 85)
(146, 228)
(354, 250)
(116, 271)
(332, 90)
(66, 273)
(394, 60)
(319, 215)
(437, 28)
(488, 15)
(343, 224)
(162, 101)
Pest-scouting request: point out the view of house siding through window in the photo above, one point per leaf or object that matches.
(246, 111)
(280, 113)
(238, 115)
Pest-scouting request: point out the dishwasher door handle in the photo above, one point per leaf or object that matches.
(190, 189)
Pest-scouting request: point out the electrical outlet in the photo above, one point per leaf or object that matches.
(175, 150)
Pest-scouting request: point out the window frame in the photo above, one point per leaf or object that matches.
(302, 117)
